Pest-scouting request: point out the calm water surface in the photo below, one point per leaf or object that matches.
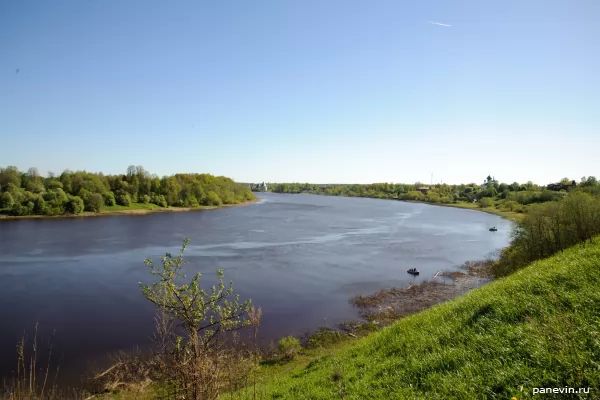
(299, 257)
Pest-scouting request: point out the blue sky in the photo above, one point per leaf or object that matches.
(319, 91)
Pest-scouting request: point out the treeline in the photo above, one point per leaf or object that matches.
(549, 228)
(28, 193)
(512, 197)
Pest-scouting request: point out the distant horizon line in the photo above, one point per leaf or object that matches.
(424, 183)
(391, 183)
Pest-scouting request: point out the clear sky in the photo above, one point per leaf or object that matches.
(324, 91)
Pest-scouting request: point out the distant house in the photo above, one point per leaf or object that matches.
(263, 187)
(424, 189)
(561, 186)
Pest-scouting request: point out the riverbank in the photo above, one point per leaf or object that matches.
(514, 216)
(389, 305)
(135, 209)
(531, 329)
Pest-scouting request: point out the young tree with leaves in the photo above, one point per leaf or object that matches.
(205, 318)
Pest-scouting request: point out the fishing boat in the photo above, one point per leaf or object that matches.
(493, 229)
(413, 271)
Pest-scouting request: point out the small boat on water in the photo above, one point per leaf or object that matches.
(493, 229)
(413, 271)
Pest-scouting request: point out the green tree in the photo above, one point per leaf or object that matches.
(6, 200)
(212, 199)
(94, 202)
(56, 199)
(8, 175)
(228, 197)
(170, 188)
(53, 184)
(158, 199)
(204, 316)
(35, 186)
(19, 210)
(74, 205)
(590, 181)
(39, 207)
(109, 199)
(84, 194)
(123, 198)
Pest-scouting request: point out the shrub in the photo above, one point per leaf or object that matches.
(549, 228)
(412, 195)
(159, 200)
(324, 338)
(433, 197)
(18, 210)
(289, 347)
(447, 200)
(94, 202)
(123, 199)
(109, 199)
(39, 207)
(6, 200)
(486, 202)
(510, 205)
(74, 205)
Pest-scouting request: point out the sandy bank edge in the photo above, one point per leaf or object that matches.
(130, 212)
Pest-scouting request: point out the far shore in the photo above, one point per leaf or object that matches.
(131, 211)
(511, 215)
(514, 216)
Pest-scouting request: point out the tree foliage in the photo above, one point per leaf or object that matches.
(94, 202)
(551, 227)
(6, 200)
(30, 193)
(497, 193)
(205, 317)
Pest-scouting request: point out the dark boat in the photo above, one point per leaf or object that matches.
(413, 271)
(494, 229)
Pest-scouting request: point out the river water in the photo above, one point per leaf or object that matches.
(299, 257)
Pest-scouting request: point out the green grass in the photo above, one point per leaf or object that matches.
(539, 327)
(134, 206)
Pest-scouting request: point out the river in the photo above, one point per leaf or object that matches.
(299, 257)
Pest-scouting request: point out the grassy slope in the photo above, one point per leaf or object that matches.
(537, 328)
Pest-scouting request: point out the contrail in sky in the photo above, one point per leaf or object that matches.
(437, 23)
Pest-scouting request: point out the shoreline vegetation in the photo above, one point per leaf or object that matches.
(121, 210)
(81, 193)
(511, 215)
(511, 201)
